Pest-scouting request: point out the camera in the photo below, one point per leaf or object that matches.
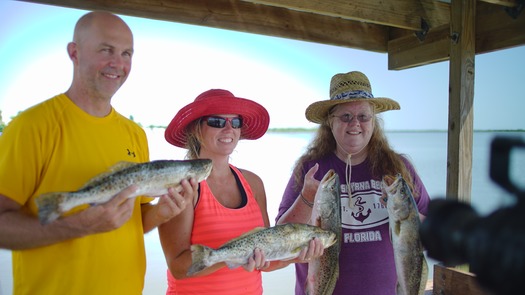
(492, 245)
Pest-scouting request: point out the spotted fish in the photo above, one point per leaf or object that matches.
(152, 178)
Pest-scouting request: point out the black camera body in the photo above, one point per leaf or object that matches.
(494, 245)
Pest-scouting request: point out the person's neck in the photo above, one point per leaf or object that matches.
(221, 165)
(355, 159)
(95, 106)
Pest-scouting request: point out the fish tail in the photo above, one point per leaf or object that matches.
(199, 255)
(49, 206)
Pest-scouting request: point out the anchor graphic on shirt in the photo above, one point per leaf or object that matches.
(359, 215)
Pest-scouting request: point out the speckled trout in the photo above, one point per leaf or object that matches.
(323, 272)
(403, 215)
(280, 242)
(152, 178)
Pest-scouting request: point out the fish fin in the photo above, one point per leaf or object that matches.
(399, 289)
(424, 276)
(394, 230)
(318, 221)
(199, 255)
(296, 250)
(397, 227)
(49, 206)
(116, 167)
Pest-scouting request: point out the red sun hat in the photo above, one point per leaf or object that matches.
(218, 101)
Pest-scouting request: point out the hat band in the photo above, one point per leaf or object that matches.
(353, 94)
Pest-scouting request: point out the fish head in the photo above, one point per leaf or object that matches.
(329, 180)
(327, 237)
(326, 211)
(328, 190)
(202, 168)
(330, 239)
(398, 195)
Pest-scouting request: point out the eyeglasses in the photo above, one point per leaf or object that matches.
(347, 118)
(220, 122)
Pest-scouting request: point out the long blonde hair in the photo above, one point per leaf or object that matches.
(384, 161)
(194, 139)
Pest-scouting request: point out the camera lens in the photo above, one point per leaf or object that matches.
(445, 230)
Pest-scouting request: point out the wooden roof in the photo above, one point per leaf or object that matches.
(412, 32)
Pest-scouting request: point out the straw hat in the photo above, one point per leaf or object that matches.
(218, 101)
(352, 86)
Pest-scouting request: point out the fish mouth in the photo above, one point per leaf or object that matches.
(329, 178)
(332, 241)
(390, 181)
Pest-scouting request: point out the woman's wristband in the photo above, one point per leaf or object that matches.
(309, 204)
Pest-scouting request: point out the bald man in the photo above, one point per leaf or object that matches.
(58, 145)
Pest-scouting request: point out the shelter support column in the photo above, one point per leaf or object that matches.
(461, 98)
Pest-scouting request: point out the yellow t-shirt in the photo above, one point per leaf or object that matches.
(55, 146)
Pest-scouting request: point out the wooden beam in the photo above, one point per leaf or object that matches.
(461, 98)
(495, 30)
(408, 51)
(406, 14)
(506, 3)
(247, 17)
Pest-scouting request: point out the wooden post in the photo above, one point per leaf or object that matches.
(461, 94)
(453, 281)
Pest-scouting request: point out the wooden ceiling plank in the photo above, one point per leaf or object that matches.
(408, 51)
(246, 17)
(495, 30)
(506, 3)
(393, 13)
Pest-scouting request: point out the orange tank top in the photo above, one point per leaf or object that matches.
(214, 225)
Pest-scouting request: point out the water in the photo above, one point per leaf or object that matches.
(272, 158)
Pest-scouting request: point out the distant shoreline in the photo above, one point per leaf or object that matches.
(302, 130)
(288, 130)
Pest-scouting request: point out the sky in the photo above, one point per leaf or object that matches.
(174, 62)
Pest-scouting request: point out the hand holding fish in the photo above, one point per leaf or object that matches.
(151, 178)
(314, 250)
(279, 243)
(106, 217)
(257, 261)
(169, 205)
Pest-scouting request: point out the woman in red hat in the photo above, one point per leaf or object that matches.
(229, 203)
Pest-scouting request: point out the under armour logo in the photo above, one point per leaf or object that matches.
(131, 153)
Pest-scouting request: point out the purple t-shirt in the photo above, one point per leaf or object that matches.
(366, 261)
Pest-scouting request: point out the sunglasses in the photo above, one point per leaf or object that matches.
(220, 122)
(347, 118)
